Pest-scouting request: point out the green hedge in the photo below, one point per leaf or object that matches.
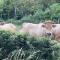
(14, 46)
(9, 42)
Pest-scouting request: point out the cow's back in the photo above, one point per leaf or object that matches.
(33, 29)
(8, 27)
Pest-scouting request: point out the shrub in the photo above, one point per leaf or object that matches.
(39, 15)
(9, 42)
(27, 18)
(14, 46)
(54, 11)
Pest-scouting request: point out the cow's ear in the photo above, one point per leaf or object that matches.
(53, 25)
(43, 25)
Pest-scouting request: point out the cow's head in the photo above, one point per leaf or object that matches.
(48, 26)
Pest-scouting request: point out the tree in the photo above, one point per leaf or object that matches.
(54, 11)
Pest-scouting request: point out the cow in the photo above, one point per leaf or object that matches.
(56, 32)
(8, 27)
(49, 26)
(53, 30)
(32, 29)
(41, 29)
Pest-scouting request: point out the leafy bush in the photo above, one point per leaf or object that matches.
(27, 18)
(14, 46)
(40, 49)
(39, 15)
(9, 42)
(53, 11)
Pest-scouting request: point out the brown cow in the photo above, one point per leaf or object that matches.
(41, 29)
(49, 26)
(54, 30)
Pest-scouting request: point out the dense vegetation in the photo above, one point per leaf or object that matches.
(30, 10)
(14, 46)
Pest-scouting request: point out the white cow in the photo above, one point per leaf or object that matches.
(41, 29)
(33, 29)
(8, 27)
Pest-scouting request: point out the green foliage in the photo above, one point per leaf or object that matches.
(54, 11)
(39, 15)
(1, 5)
(9, 42)
(21, 8)
(14, 46)
(40, 49)
(28, 18)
